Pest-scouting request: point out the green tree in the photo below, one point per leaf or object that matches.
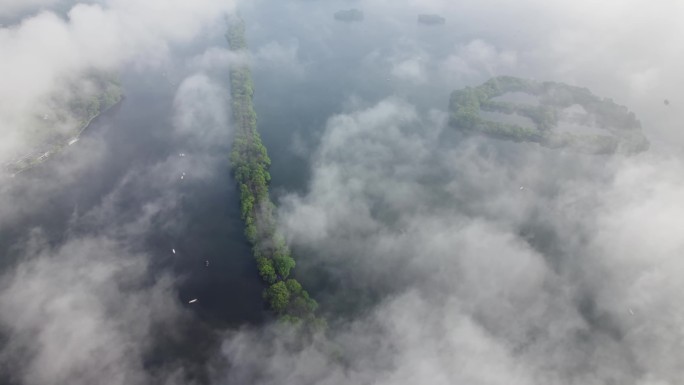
(250, 230)
(249, 160)
(293, 286)
(247, 200)
(283, 264)
(266, 270)
(278, 296)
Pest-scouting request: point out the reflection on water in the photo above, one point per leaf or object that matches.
(127, 159)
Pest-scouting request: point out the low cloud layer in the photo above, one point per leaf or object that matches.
(90, 37)
(11, 8)
(91, 302)
(436, 257)
(82, 313)
(491, 267)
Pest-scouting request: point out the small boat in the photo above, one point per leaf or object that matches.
(193, 300)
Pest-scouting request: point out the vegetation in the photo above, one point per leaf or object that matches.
(250, 162)
(87, 107)
(622, 128)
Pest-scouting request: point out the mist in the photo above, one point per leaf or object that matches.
(435, 256)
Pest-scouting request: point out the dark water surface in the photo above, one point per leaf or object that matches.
(205, 226)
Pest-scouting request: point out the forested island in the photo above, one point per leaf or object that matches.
(431, 19)
(250, 163)
(349, 15)
(63, 124)
(559, 115)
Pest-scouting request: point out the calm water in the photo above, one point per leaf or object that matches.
(204, 226)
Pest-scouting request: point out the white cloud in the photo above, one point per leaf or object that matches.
(82, 314)
(201, 111)
(483, 282)
(282, 57)
(218, 59)
(45, 53)
(477, 61)
(470, 279)
(411, 69)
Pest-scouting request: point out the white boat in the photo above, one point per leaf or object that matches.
(173, 250)
(72, 141)
(193, 300)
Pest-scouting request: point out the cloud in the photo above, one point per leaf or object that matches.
(201, 111)
(98, 293)
(410, 69)
(432, 264)
(478, 60)
(89, 302)
(218, 59)
(282, 57)
(82, 313)
(11, 8)
(474, 279)
(48, 53)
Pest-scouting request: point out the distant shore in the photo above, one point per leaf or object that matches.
(37, 157)
(250, 162)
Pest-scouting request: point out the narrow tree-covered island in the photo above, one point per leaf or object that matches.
(250, 163)
(549, 113)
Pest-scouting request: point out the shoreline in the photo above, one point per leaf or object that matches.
(37, 158)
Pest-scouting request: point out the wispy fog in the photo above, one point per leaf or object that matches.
(436, 257)
(44, 53)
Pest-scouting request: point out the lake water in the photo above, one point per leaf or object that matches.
(138, 135)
